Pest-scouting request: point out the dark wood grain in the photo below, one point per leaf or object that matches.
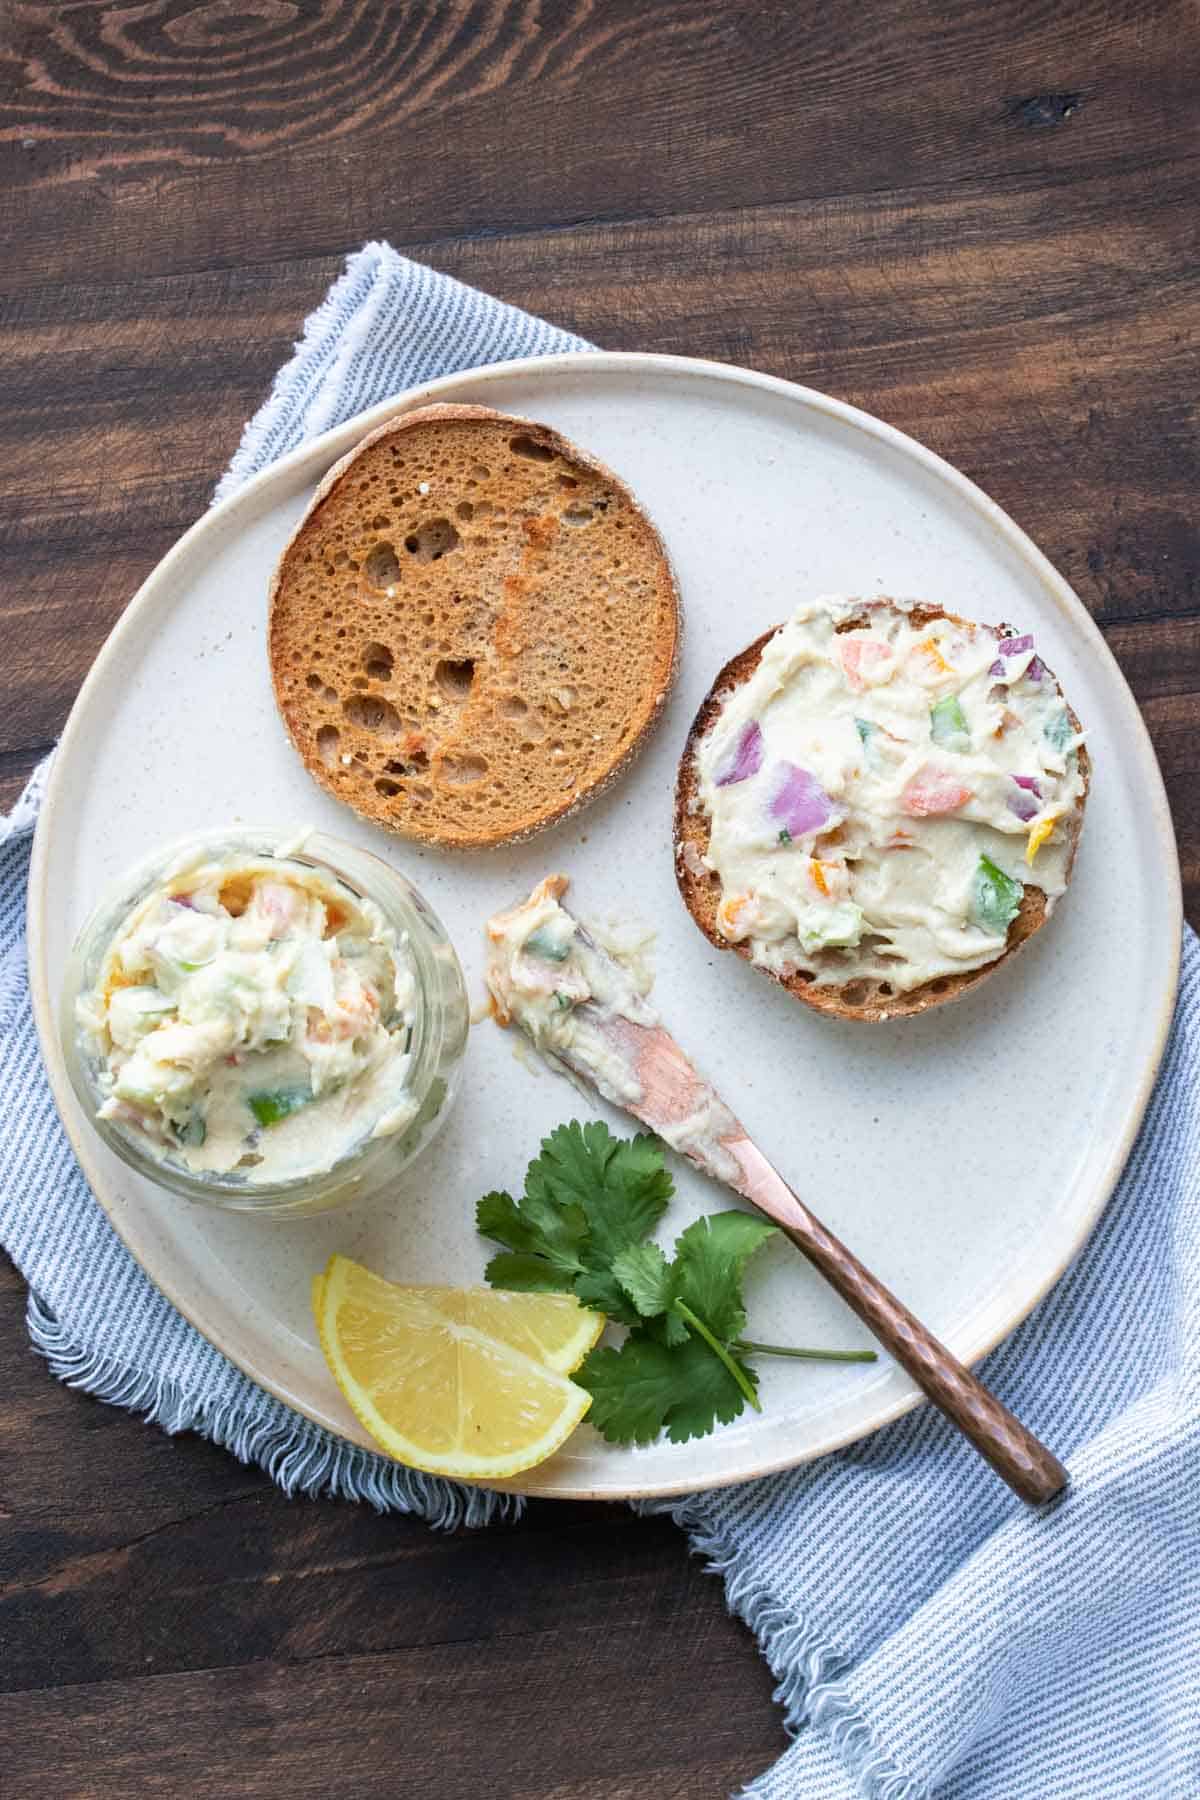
(977, 221)
(553, 1716)
(176, 137)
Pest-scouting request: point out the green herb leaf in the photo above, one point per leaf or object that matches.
(645, 1277)
(995, 897)
(710, 1260)
(621, 1183)
(706, 1275)
(866, 729)
(725, 1357)
(646, 1387)
(785, 836)
(588, 1196)
(498, 1216)
(536, 1226)
(632, 1389)
(709, 1394)
(599, 1289)
(520, 1271)
(590, 1203)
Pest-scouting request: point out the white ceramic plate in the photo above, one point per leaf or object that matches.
(964, 1155)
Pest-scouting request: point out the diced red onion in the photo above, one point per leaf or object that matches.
(1017, 646)
(1025, 803)
(799, 802)
(747, 758)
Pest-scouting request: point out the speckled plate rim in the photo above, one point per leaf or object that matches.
(974, 1338)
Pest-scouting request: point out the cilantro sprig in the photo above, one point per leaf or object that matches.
(590, 1203)
(588, 1196)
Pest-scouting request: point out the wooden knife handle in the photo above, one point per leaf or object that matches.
(1017, 1456)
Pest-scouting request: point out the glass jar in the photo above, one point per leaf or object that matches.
(439, 1027)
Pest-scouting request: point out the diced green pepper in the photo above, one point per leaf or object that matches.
(840, 927)
(870, 736)
(543, 943)
(270, 1108)
(948, 724)
(1059, 730)
(146, 1000)
(996, 897)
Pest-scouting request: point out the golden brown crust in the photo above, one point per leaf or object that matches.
(860, 999)
(471, 664)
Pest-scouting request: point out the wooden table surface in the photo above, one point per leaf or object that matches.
(978, 221)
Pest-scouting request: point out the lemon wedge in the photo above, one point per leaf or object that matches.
(468, 1382)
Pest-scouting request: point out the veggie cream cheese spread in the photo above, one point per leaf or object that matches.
(543, 968)
(878, 797)
(576, 1000)
(254, 1016)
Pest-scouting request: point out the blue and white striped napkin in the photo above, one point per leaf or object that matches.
(930, 1636)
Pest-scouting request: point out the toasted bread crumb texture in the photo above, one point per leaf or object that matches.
(472, 629)
(863, 998)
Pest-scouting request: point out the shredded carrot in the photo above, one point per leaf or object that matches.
(818, 876)
(730, 911)
(933, 656)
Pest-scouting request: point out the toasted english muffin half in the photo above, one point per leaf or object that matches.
(473, 629)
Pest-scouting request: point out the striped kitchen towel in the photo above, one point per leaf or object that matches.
(930, 1636)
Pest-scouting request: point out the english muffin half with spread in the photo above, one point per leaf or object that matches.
(878, 803)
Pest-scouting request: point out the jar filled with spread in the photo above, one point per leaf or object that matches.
(269, 1024)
